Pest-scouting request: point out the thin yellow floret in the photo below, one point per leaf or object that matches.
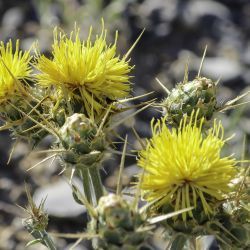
(183, 165)
(14, 65)
(89, 72)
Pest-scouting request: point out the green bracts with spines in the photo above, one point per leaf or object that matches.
(118, 225)
(187, 97)
(84, 148)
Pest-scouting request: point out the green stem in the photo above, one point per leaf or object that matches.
(96, 182)
(86, 181)
(47, 240)
(178, 242)
(40, 235)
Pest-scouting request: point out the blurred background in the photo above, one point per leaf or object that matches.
(176, 31)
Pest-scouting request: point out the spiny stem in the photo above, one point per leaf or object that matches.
(47, 240)
(40, 235)
(96, 182)
(86, 181)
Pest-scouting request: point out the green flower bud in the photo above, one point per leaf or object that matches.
(186, 97)
(118, 225)
(85, 148)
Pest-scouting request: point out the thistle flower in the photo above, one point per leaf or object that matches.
(184, 167)
(89, 73)
(17, 98)
(13, 66)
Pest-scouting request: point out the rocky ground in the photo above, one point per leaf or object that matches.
(176, 31)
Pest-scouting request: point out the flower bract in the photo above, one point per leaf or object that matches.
(183, 165)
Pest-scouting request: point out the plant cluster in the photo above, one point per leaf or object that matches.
(189, 187)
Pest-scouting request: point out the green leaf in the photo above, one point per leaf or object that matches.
(33, 242)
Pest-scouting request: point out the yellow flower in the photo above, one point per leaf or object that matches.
(13, 66)
(184, 165)
(89, 72)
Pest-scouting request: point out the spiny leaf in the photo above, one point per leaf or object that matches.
(167, 216)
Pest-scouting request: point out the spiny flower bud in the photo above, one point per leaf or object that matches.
(38, 218)
(85, 145)
(118, 225)
(187, 97)
(37, 223)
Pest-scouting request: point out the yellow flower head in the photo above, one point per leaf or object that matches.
(184, 165)
(89, 72)
(14, 65)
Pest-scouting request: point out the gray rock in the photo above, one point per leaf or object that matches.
(27, 43)
(218, 67)
(59, 202)
(78, 247)
(246, 55)
(20, 150)
(245, 125)
(13, 18)
(246, 76)
(168, 9)
(177, 67)
(197, 9)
